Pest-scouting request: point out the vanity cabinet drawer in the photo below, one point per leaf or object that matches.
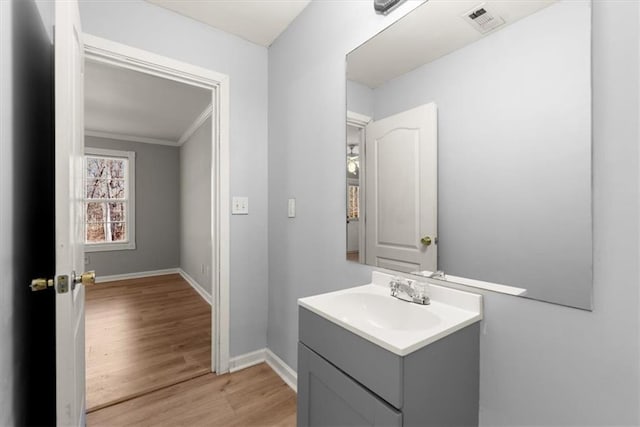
(331, 398)
(377, 369)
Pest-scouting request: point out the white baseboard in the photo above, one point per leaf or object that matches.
(196, 286)
(246, 360)
(138, 275)
(284, 371)
(287, 374)
(190, 280)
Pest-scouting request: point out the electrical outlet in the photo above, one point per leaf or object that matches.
(291, 211)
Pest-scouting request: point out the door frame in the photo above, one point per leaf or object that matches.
(106, 51)
(360, 121)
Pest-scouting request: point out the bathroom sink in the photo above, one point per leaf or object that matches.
(382, 312)
(399, 326)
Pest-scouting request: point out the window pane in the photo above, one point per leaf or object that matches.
(96, 212)
(106, 205)
(116, 212)
(353, 207)
(96, 189)
(116, 168)
(116, 189)
(118, 232)
(95, 233)
(96, 168)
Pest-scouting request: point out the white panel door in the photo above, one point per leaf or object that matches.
(401, 190)
(69, 112)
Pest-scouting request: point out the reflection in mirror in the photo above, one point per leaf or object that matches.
(469, 147)
(353, 192)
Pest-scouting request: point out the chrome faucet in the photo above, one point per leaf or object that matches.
(409, 290)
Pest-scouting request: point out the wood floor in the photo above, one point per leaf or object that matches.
(143, 335)
(255, 396)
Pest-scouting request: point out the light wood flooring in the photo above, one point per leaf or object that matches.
(143, 335)
(353, 256)
(255, 396)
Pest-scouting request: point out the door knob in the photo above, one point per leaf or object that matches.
(88, 278)
(40, 284)
(426, 240)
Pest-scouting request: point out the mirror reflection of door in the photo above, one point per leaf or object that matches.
(401, 190)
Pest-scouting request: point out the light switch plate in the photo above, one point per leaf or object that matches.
(240, 206)
(292, 208)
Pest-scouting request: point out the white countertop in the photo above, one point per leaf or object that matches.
(401, 327)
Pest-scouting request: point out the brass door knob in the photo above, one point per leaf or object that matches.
(88, 278)
(426, 240)
(40, 284)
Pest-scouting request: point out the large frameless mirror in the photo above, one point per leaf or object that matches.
(468, 147)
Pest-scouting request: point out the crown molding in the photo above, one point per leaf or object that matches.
(132, 138)
(199, 121)
(357, 119)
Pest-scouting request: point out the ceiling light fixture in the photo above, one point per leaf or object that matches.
(384, 7)
(353, 162)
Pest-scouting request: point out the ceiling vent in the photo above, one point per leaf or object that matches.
(482, 18)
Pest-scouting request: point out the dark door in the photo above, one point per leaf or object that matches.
(34, 356)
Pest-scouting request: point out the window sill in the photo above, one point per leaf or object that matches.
(106, 247)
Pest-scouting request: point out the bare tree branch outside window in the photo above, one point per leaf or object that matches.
(106, 199)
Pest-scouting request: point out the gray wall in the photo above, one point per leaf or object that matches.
(195, 206)
(541, 364)
(7, 369)
(514, 153)
(146, 26)
(157, 211)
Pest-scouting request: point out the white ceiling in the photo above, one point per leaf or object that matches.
(431, 31)
(259, 21)
(128, 103)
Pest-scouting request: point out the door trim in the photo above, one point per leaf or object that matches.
(109, 52)
(361, 121)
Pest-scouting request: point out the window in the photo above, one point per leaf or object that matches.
(109, 202)
(353, 203)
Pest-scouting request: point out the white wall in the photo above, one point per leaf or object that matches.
(6, 218)
(195, 206)
(541, 364)
(146, 26)
(360, 98)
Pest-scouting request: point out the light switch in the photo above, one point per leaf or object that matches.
(292, 208)
(240, 206)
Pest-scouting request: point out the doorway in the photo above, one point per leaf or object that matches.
(104, 53)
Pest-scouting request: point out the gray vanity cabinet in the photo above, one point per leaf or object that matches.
(346, 380)
(337, 399)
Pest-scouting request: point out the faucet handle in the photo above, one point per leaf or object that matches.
(394, 285)
(421, 293)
